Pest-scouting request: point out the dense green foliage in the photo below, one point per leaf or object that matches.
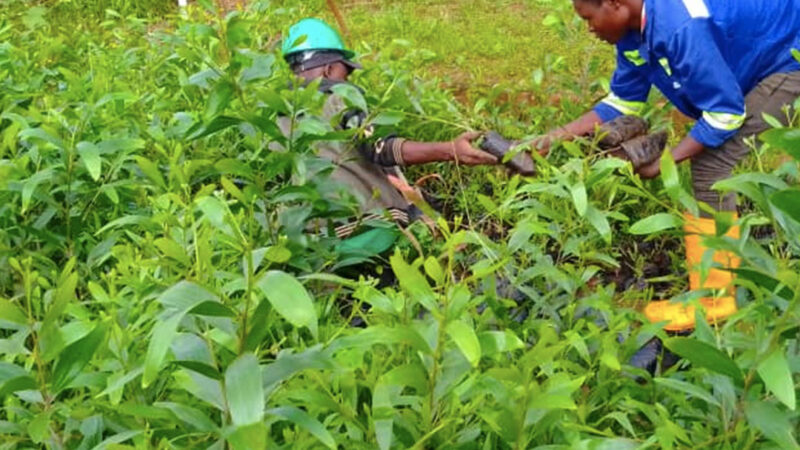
(160, 285)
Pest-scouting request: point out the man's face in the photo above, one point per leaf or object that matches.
(608, 20)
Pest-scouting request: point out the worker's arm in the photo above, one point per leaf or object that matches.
(581, 126)
(630, 87)
(709, 84)
(460, 150)
(395, 151)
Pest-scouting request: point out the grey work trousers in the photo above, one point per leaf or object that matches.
(715, 164)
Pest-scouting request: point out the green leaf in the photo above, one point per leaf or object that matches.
(687, 388)
(150, 170)
(655, 223)
(771, 422)
(39, 427)
(578, 192)
(351, 95)
(704, 355)
(219, 99)
(163, 334)
(90, 155)
(788, 201)
(306, 422)
(76, 356)
(244, 391)
(289, 298)
(10, 313)
(599, 221)
(777, 376)
(413, 282)
(466, 340)
(216, 124)
(237, 32)
(248, 437)
(493, 342)
(185, 295)
(19, 383)
(786, 139)
(193, 417)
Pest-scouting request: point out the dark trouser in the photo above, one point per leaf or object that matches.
(715, 164)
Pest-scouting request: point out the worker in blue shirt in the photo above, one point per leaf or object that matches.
(723, 63)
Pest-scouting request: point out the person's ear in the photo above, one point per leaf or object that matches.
(327, 70)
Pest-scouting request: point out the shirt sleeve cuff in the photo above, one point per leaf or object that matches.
(709, 136)
(606, 112)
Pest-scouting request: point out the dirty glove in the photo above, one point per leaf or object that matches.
(624, 128)
(642, 150)
(499, 146)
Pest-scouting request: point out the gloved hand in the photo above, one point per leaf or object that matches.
(499, 146)
(624, 128)
(643, 150)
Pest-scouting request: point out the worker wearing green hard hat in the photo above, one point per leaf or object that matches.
(368, 166)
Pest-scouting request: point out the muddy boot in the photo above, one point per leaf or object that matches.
(498, 146)
(643, 150)
(624, 128)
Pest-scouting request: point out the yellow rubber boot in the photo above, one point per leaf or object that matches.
(719, 307)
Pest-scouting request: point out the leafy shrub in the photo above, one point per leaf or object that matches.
(159, 287)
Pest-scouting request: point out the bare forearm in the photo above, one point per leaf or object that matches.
(581, 126)
(426, 152)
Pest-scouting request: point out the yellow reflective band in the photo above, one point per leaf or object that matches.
(665, 64)
(625, 107)
(724, 121)
(635, 57)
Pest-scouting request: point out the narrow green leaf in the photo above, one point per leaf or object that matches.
(163, 334)
(687, 388)
(306, 422)
(704, 355)
(219, 99)
(777, 376)
(289, 298)
(788, 201)
(193, 417)
(76, 356)
(466, 340)
(771, 422)
(599, 221)
(151, 171)
(578, 192)
(10, 313)
(90, 155)
(655, 223)
(413, 282)
(786, 139)
(244, 390)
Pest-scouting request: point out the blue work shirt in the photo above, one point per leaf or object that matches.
(704, 56)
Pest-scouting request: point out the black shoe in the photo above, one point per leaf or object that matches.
(648, 356)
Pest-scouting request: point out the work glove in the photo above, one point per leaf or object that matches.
(621, 129)
(495, 144)
(642, 150)
(626, 137)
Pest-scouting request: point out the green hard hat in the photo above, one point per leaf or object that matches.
(313, 34)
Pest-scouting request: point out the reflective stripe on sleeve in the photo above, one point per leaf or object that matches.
(724, 121)
(624, 106)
